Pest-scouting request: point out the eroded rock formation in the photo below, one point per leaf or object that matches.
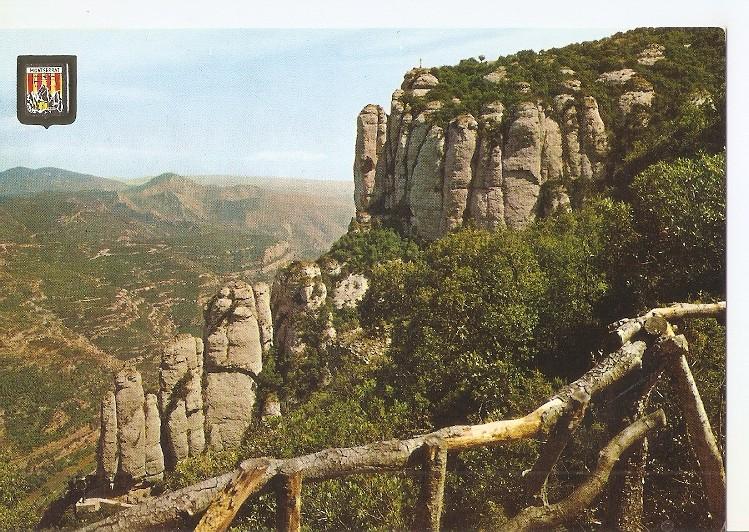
(205, 399)
(233, 359)
(370, 139)
(181, 398)
(264, 317)
(297, 290)
(130, 452)
(154, 453)
(488, 169)
(131, 426)
(108, 454)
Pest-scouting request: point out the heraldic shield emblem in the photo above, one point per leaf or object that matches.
(46, 89)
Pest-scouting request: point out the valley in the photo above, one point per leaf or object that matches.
(90, 279)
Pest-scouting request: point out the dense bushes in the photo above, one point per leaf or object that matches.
(680, 210)
(361, 250)
(481, 311)
(344, 414)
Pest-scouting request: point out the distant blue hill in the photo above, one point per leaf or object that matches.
(22, 181)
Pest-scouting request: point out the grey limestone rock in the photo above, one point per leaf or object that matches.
(131, 426)
(460, 146)
(108, 453)
(230, 398)
(154, 453)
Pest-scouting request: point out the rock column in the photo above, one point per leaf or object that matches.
(460, 147)
(486, 202)
(153, 453)
(264, 317)
(521, 164)
(371, 131)
(233, 358)
(131, 426)
(108, 454)
(181, 398)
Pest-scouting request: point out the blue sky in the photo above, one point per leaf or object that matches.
(237, 101)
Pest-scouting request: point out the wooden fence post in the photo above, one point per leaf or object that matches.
(429, 505)
(289, 503)
(700, 432)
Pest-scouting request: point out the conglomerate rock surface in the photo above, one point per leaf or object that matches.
(489, 169)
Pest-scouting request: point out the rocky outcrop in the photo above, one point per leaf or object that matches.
(617, 77)
(233, 359)
(496, 76)
(204, 399)
(349, 291)
(131, 426)
(108, 453)
(181, 398)
(653, 53)
(154, 453)
(297, 290)
(488, 169)
(264, 317)
(371, 129)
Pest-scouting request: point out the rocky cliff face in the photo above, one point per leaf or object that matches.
(489, 169)
(181, 398)
(233, 360)
(206, 395)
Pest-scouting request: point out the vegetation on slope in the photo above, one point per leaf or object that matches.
(688, 112)
(87, 281)
(483, 326)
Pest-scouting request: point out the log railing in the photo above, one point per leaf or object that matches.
(219, 499)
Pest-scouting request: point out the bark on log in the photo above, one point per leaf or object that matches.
(625, 330)
(253, 476)
(626, 488)
(535, 479)
(172, 509)
(434, 469)
(289, 503)
(549, 516)
(701, 436)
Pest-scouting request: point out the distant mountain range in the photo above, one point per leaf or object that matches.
(22, 181)
(308, 214)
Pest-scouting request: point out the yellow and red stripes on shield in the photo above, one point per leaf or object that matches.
(34, 81)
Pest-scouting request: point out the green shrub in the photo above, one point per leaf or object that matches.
(15, 514)
(361, 250)
(680, 209)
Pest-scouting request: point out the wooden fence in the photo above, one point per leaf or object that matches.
(646, 345)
